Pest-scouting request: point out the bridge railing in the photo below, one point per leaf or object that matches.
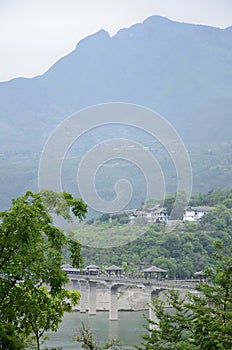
(190, 284)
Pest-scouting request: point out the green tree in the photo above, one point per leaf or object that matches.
(125, 266)
(123, 219)
(168, 264)
(41, 311)
(30, 257)
(175, 204)
(172, 241)
(169, 202)
(201, 321)
(179, 205)
(220, 218)
(104, 217)
(88, 341)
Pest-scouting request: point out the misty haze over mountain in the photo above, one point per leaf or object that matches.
(182, 71)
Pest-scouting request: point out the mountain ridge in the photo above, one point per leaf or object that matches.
(182, 71)
(159, 63)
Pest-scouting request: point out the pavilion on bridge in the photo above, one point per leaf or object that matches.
(154, 271)
(114, 270)
(69, 269)
(200, 275)
(92, 270)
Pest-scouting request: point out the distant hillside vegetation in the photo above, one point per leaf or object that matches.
(183, 251)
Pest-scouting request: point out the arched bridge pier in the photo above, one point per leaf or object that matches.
(87, 286)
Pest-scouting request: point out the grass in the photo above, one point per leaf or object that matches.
(108, 235)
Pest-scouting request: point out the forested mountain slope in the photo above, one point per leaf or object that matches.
(182, 71)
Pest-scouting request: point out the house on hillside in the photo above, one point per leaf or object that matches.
(155, 214)
(195, 213)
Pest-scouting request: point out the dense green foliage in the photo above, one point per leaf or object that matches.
(200, 321)
(118, 218)
(219, 196)
(183, 251)
(31, 253)
(30, 258)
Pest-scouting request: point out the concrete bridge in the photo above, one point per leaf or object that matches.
(87, 286)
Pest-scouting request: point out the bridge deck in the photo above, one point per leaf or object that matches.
(186, 284)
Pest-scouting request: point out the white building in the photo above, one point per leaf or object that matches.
(195, 213)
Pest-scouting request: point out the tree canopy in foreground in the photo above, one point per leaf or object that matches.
(202, 321)
(30, 259)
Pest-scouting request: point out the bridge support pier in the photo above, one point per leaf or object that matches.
(92, 298)
(75, 285)
(152, 316)
(84, 296)
(113, 305)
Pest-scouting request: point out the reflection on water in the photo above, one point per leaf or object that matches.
(128, 329)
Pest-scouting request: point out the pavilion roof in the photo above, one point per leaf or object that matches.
(154, 269)
(66, 266)
(113, 268)
(69, 268)
(199, 208)
(90, 267)
(199, 273)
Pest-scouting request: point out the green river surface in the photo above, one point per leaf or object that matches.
(128, 329)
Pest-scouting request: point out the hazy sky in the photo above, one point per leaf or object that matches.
(36, 33)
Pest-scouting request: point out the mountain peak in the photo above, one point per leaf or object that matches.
(156, 19)
(102, 34)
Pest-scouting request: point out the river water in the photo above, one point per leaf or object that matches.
(128, 329)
